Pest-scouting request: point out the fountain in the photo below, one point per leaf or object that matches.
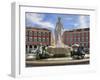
(59, 47)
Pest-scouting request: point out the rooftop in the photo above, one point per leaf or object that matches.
(37, 28)
(85, 29)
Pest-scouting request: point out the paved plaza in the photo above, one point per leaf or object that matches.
(57, 61)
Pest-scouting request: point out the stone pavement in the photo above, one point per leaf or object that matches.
(57, 61)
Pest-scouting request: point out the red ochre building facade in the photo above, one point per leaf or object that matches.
(37, 36)
(77, 36)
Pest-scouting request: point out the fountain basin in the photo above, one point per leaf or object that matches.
(59, 51)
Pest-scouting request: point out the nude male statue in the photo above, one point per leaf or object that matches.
(58, 30)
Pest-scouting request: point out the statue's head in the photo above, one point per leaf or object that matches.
(59, 18)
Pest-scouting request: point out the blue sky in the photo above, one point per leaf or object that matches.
(49, 20)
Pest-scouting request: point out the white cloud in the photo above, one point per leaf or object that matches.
(82, 22)
(76, 24)
(67, 18)
(34, 18)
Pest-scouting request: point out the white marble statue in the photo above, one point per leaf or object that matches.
(58, 33)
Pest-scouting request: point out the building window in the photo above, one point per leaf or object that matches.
(66, 34)
(82, 34)
(43, 33)
(74, 35)
(87, 34)
(82, 44)
(47, 39)
(27, 38)
(75, 39)
(27, 33)
(86, 38)
(67, 39)
(35, 39)
(78, 39)
(39, 39)
(46, 33)
(86, 45)
(30, 39)
(39, 33)
(71, 39)
(43, 39)
(78, 34)
(82, 38)
(30, 33)
(70, 34)
(30, 46)
(35, 33)
(26, 47)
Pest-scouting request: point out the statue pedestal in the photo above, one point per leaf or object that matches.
(59, 52)
(59, 43)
